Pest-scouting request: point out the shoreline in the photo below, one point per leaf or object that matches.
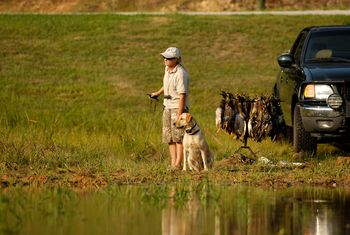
(224, 173)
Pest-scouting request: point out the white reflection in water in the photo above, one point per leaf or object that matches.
(321, 225)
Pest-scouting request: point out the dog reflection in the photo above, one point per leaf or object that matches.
(188, 220)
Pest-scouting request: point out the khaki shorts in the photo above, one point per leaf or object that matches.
(171, 134)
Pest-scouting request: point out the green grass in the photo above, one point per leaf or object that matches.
(73, 88)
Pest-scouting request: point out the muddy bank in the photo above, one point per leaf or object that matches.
(228, 172)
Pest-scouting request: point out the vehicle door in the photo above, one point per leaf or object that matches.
(291, 77)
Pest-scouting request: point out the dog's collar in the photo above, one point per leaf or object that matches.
(189, 131)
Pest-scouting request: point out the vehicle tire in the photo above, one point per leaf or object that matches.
(302, 140)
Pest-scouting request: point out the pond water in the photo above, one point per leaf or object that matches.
(176, 209)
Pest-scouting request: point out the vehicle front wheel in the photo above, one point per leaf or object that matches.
(302, 140)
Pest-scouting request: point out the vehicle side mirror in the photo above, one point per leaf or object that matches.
(285, 60)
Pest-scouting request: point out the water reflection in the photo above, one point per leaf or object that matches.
(186, 220)
(244, 210)
(325, 220)
(320, 224)
(177, 209)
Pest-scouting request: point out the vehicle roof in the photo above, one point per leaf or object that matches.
(328, 28)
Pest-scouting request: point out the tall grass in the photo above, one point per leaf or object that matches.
(73, 88)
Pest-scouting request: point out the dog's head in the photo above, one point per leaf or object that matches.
(184, 120)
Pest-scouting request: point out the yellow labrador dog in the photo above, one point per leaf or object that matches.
(196, 150)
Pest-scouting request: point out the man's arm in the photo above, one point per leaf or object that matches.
(182, 103)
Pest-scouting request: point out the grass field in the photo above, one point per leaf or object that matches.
(73, 89)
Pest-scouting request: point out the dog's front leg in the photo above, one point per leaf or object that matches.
(204, 156)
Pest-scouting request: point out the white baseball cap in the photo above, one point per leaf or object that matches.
(171, 52)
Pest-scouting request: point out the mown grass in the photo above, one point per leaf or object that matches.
(73, 88)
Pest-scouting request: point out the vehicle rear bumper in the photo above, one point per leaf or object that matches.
(323, 121)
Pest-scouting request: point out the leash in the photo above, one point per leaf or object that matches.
(153, 102)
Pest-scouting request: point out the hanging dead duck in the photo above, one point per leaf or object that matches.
(219, 113)
(256, 118)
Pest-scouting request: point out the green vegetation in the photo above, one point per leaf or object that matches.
(73, 93)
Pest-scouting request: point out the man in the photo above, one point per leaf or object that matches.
(175, 90)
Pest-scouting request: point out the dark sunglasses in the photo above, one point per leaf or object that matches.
(168, 58)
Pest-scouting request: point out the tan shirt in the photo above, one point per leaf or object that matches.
(175, 82)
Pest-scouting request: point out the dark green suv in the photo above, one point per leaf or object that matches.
(313, 86)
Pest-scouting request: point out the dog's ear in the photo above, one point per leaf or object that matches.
(188, 118)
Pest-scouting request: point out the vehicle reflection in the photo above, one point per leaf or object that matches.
(253, 211)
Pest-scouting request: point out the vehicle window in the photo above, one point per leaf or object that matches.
(327, 45)
(298, 46)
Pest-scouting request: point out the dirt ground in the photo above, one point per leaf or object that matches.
(60, 6)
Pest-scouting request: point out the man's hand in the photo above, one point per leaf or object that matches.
(153, 96)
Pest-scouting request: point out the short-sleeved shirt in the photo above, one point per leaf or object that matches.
(175, 82)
